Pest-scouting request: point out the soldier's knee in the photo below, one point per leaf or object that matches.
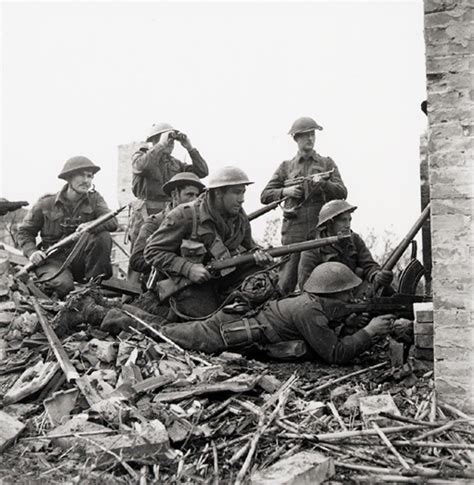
(102, 239)
(62, 285)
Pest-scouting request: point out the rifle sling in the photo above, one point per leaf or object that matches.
(70, 258)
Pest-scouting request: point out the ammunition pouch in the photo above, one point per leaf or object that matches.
(220, 251)
(193, 251)
(241, 333)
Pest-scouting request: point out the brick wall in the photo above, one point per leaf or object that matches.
(449, 61)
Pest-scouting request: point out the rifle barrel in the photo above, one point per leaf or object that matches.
(266, 208)
(405, 242)
(71, 238)
(278, 251)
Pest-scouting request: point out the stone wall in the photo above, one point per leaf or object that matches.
(124, 182)
(449, 64)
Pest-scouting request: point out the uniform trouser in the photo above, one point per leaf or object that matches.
(141, 210)
(288, 274)
(93, 260)
(220, 332)
(199, 301)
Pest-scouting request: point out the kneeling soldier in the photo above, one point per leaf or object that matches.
(182, 188)
(58, 215)
(335, 217)
(214, 226)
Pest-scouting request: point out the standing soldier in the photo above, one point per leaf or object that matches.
(58, 215)
(153, 167)
(306, 182)
(335, 217)
(214, 226)
(182, 188)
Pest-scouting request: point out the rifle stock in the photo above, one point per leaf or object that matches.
(71, 238)
(168, 287)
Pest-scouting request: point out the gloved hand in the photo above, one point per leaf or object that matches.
(383, 277)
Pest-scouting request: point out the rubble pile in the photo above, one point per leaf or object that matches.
(80, 405)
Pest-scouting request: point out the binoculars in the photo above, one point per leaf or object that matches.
(177, 135)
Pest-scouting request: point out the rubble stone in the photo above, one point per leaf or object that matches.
(300, 469)
(10, 428)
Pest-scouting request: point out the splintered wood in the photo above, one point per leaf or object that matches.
(141, 409)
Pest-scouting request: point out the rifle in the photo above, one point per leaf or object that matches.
(71, 238)
(7, 206)
(399, 304)
(166, 288)
(369, 289)
(266, 208)
(308, 178)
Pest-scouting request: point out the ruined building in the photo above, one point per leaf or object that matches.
(449, 61)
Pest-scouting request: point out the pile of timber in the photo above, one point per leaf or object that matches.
(136, 409)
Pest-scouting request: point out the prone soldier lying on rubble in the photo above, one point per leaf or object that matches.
(182, 188)
(214, 226)
(309, 316)
(335, 217)
(58, 215)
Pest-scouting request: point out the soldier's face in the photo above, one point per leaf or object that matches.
(232, 199)
(342, 223)
(81, 182)
(188, 194)
(305, 141)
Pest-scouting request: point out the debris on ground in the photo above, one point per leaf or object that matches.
(80, 406)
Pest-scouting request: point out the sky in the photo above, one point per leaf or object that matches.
(81, 78)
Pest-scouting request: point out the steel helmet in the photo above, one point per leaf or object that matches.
(302, 125)
(332, 209)
(75, 164)
(227, 176)
(331, 277)
(158, 128)
(181, 180)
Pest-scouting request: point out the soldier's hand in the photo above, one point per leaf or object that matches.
(186, 142)
(355, 320)
(199, 274)
(381, 325)
(383, 277)
(294, 191)
(165, 140)
(262, 258)
(37, 257)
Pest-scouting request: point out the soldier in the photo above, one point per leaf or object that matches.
(182, 188)
(153, 167)
(307, 316)
(58, 215)
(335, 217)
(212, 227)
(305, 192)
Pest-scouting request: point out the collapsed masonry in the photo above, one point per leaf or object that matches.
(449, 57)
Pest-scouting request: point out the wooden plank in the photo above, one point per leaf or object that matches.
(121, 286)
(55, 344)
